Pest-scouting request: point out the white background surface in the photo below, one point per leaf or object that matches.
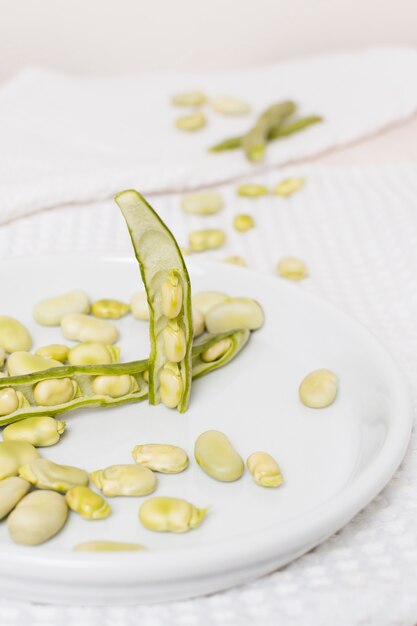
(125, 36)
(356, 229)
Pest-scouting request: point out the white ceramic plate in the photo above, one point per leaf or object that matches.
(334, 460)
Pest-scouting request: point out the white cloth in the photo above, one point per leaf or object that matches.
(68, 139)
(356, 229)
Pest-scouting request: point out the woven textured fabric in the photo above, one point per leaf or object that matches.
(357, 231)
(71, 139)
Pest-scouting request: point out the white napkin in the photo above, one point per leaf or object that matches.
(69, 139)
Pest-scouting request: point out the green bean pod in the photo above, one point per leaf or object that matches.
(277, 132)
(85, 375)
(254, 141)
(168, 289)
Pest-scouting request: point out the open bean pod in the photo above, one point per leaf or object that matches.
(101, 385)
(57, 390)
(168, 290)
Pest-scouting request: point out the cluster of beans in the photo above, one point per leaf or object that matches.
(275, 122)
(95, 334)
(34, 516)
(212, 311)
(195, 100)
(211, 202)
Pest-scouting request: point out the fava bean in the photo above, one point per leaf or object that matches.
(38, 516)
(235, 260)
(109, 309)
(235, 313)
(20, 363)
(9, 401)
(14, 454)
(139, 306)
(243, 222)
(107, 546)
(207, 239)
(174, 342)
(216, 351)
(216, 456)
(198, 323)
(114, 386)
(87, 503)
(205, 300)
(55, 351)
(264, 469)
(163, 458)
(55, 391)
(189, 98)
(227, 105)
(251, 190)
(79, 327)
(93, 353)
(318, 389)
(13, 335)
(191, 123)
(12, 490)
(288, 186)
(170, 515)
(39, 431)
(292, 268)
(125, 480)
(171, 295)
(49, 312)
(45, 474)
(202, 203)
(171, 385)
